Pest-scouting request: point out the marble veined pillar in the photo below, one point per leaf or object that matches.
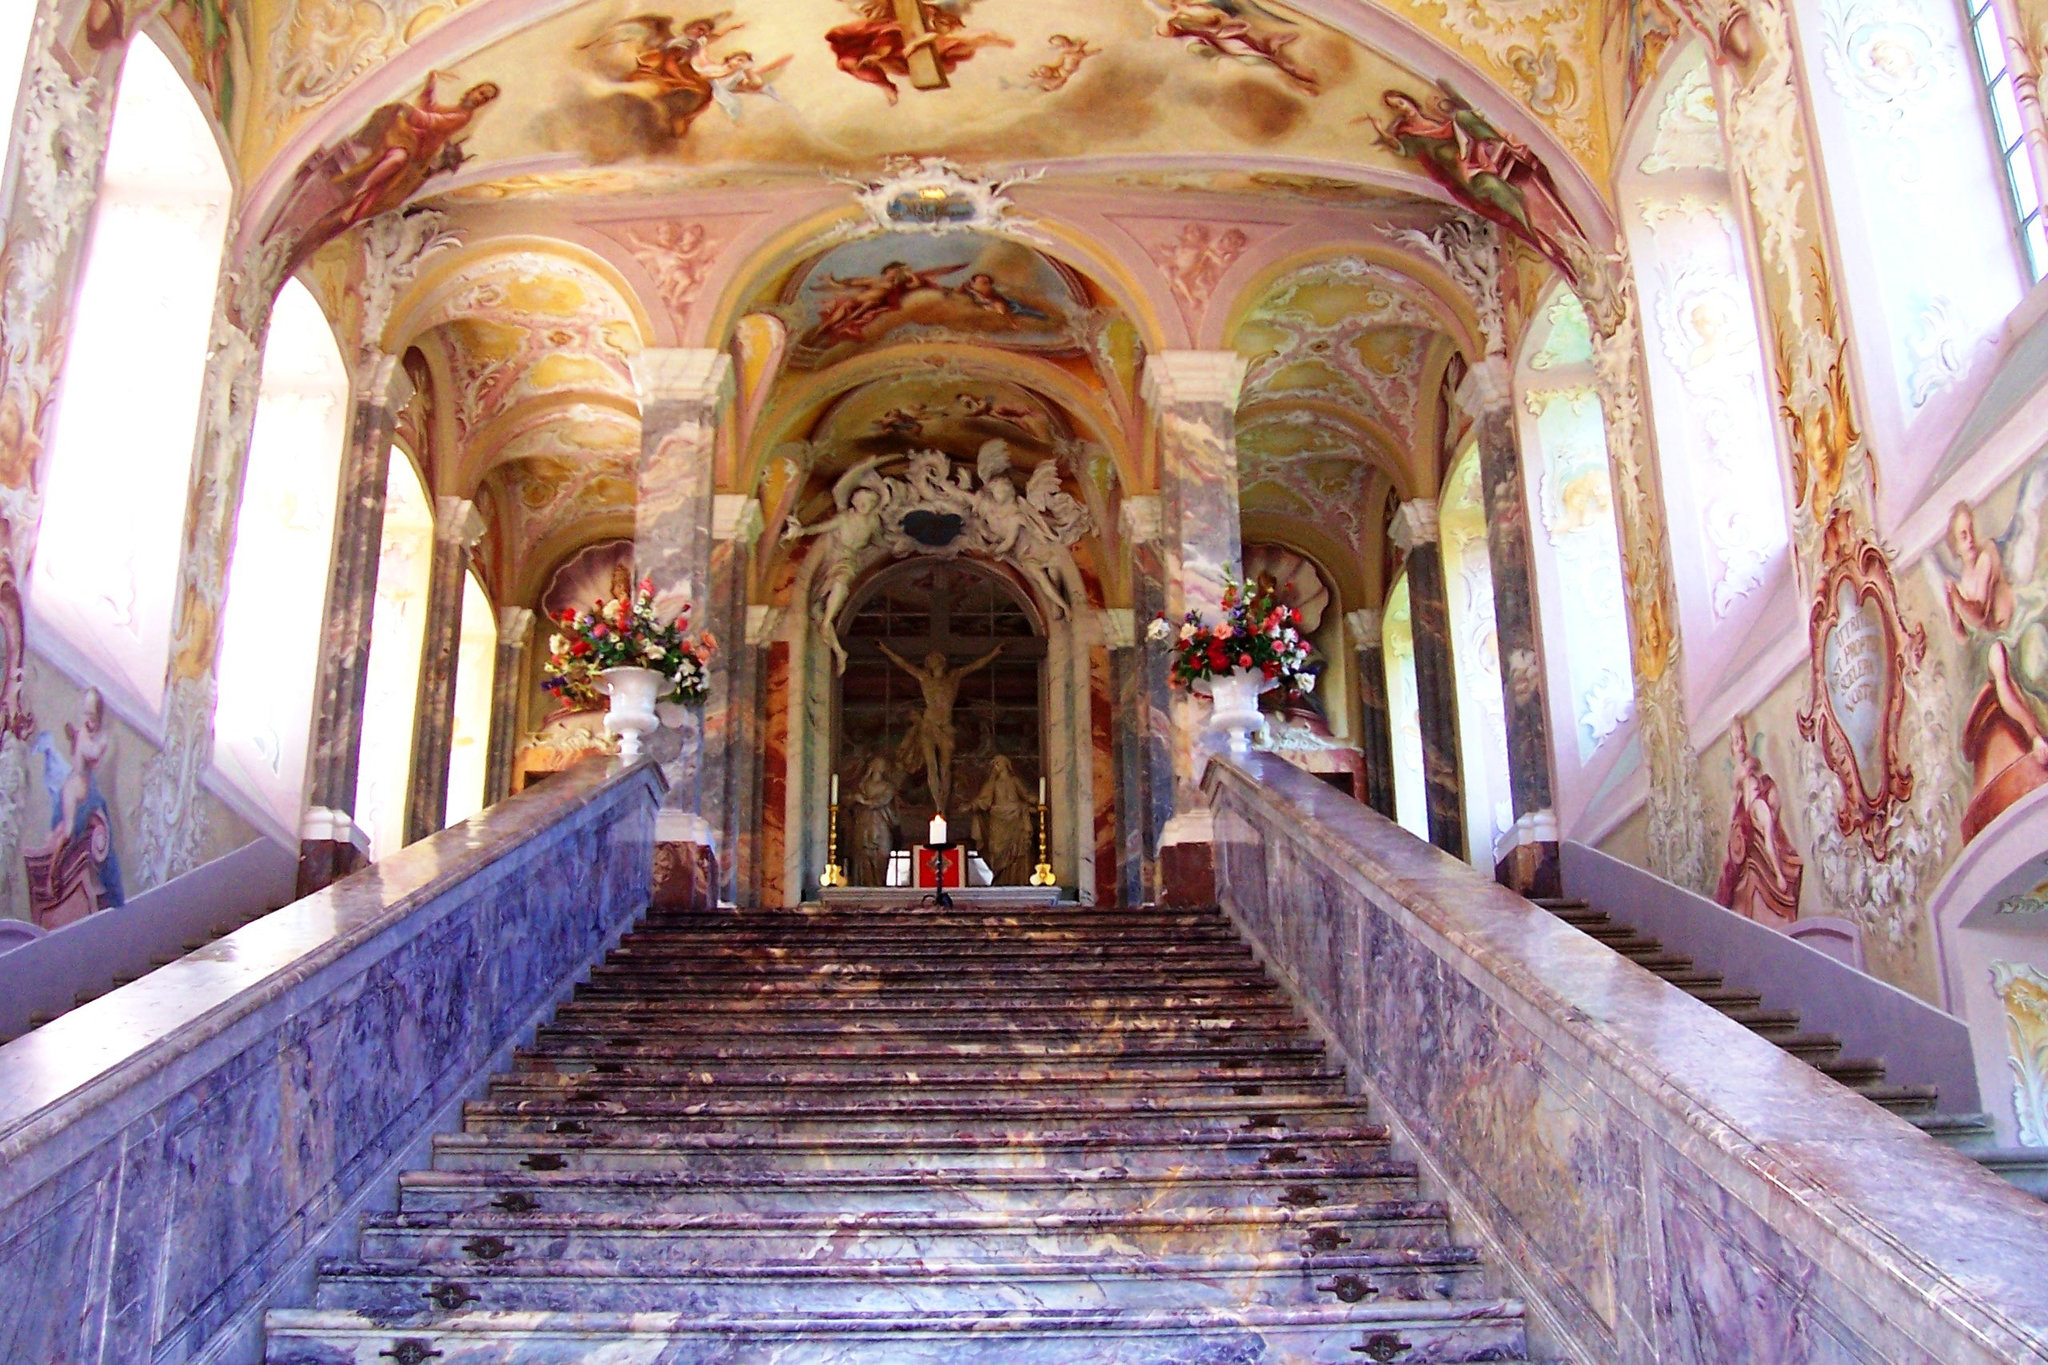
(508, 700)
(331, 844)
(682, 393)
(1376, 735)
(735, 527)
(1526, 857)
(1192, 397)
(457, 527)
(1436, 681)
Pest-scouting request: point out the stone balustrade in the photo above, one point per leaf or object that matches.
(1661, 1184)
(176, 1154)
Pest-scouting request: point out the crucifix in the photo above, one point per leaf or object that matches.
(926, 73)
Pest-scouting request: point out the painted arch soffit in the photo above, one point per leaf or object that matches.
(785, 87)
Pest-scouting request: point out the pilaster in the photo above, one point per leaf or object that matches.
(1376, 735)
(458, 526)
(1414, 531)
(509, 693)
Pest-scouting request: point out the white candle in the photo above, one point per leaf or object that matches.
(1041, 789)
(938, 831)
(835, 789)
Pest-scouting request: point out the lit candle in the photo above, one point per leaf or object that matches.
(835, 789)
(1041, 789)
(938, 831)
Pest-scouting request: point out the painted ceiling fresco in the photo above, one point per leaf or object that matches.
(833, 82)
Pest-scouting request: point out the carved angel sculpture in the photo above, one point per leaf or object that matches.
(863, 500)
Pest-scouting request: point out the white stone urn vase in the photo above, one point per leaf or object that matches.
(631, 715)
(1237, 704)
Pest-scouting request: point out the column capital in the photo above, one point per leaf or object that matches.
(1364, 625)
(1414, 524)
(514, 623)
(457, 521)
(1119, 627)
(1176, 377)
(736, 516)
(1142, 518)
(1486, 386)
(682, 374)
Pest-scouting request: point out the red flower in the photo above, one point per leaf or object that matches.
(580, 648)
(1244, 661)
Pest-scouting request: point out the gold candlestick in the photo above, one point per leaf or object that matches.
(834, 874)
(1042, 874)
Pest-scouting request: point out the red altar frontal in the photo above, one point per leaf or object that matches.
(940, 867)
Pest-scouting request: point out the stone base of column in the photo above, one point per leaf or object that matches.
(331, 846)
(1525, 857)
(685, 863)
(1187, 861)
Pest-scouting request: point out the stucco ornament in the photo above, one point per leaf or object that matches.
(931, 196)
(1469, 252)
(394, 247)
(2023, 990)
(1764, 132)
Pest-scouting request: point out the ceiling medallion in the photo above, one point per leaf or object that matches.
(931, 196)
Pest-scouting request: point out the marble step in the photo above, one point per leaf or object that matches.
(939, 1190)
(596, 1056)
(405, 1292)
(830, 1073)
(885, 1011)
(783, 976)
(1000, 916)
(1131, 1034)
(1438, 1333)
(530, 1088)
(987, 1116)
(900, 940)
(1142, 1154)
(652, 1241)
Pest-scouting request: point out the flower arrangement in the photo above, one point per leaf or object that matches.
(627, 632)
(1258, 633)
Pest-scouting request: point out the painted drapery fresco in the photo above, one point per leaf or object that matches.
(1761, 872)
(74, 870)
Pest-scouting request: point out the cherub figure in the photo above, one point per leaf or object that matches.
(1068, 54)
(978, 407)
(864, 298)
(848, 534)
(1225, 28)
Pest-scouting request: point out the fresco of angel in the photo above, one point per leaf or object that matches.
(980, 290)
(1997, 603)
(848, 534)
(1496, 176)
(1027, 422)
(675, 60)
(1240, 30)
(1068, 54)
(880, 44)
(860, 300)
(74, 871)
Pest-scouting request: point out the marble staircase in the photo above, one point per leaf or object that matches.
(846, 1135)
(1970, 1134)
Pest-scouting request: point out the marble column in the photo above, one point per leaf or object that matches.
(735, 527)
(1526, 856)
(1376, 735)
(682, 394)
(331, 844)
(1192, 397)
(509, 694)
(457, 527)
(1414, 531)
(1129, 739)
(1145, 703)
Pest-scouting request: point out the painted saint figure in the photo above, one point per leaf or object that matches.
(873, 799)
(400, 147)
(1225, 28)
(1004, 814)
(893, 37)
(864, 298)
(74, 871)
(932, 734)
(1997, 603)
(1494, 175)
(1762, 872)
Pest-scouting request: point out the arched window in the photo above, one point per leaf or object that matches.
(398, 625)
(1713, 402)
(476, 658)
(128, 403)
(1404, 711)
(277, 581)
(1576, 548)
(1475, 655)
(1931, 260)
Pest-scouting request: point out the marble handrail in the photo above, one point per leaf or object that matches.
(173, 1154)
(1660, 1184)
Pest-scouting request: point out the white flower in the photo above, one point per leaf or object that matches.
(557, 645)
(1308, 682)
(1158, 630)
(1189, 630)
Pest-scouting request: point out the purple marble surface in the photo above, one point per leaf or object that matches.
(173, 1149)
(1662, 1184)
